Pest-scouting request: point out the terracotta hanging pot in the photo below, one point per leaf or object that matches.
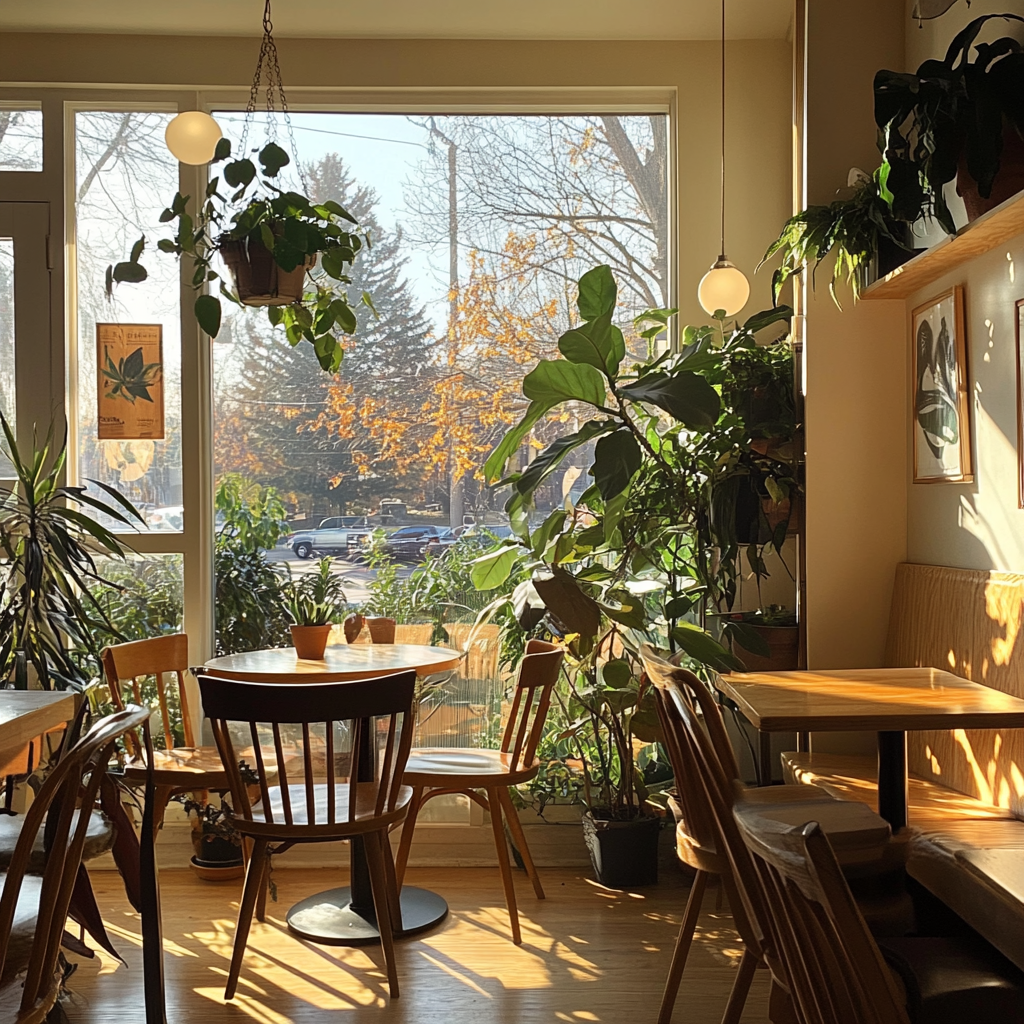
(259, 281)
(1008, 182)
(310, 642)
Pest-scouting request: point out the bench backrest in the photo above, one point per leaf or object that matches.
(966, 621)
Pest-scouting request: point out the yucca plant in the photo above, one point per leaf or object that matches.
(317, 598)
(49, 617)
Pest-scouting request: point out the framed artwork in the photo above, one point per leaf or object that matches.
(941, 409)
(130, 382)
(1019, 328)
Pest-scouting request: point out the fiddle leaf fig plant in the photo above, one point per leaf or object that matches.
(264, 220)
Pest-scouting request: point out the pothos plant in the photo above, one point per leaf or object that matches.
(296, 231)
(655, 543)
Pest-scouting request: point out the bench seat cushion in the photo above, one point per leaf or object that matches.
(977, 869)
(852, 777)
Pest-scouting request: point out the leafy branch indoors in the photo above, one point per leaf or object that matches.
(51, 616)
(268, 221)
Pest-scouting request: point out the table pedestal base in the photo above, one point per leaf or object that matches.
(330, 919)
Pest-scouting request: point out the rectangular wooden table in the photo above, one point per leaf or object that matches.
(889, 701)
(27, 714)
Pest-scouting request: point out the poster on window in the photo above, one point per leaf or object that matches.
(130, 375)
(942, 431)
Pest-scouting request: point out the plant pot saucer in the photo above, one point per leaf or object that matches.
(217, 871)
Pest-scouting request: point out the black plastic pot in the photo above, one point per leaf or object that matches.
(624, 853)
(216, 851)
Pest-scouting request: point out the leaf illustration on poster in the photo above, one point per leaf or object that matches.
(130, 381)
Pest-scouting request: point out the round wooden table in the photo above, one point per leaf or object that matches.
(345, 916)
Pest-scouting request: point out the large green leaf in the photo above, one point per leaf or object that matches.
(492, 569)
(576, 611)
(273, 158)
(597, 293)
(684, 395)
(548, 460)
(767, 317)
(557, 380)
(704, 648)
(616, 458)
(207, 310)
(509, 444)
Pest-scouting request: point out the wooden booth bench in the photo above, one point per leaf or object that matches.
(966, 792)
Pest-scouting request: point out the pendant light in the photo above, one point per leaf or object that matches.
(723, 287)
(192, 137)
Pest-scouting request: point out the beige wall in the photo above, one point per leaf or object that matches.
(855, 361)
(381, 71)
(976, 525)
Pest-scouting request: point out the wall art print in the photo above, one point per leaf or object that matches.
(941, 410)
(130, 382)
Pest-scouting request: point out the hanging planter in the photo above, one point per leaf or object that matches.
(270, 238)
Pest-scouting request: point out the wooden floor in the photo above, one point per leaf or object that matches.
(588, 954)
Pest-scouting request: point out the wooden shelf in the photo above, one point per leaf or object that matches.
(976, 239)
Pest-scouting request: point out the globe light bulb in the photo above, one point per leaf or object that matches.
(192, 137)
(723, 287)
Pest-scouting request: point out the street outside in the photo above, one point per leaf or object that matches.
(356, 574)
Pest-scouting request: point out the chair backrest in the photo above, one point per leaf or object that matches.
(125, 665)
(305, 734)
(837, 974)
(70, 786)
(538, 673)
(662, 672)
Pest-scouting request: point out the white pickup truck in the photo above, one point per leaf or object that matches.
(333, 536)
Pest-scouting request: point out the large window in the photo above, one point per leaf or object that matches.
(21, 136)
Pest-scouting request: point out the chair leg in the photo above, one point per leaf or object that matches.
(382, 905)
(682, 947)
(740, 988)
(394, 890)
(516, 828)
(501, 848)
(408, 827)
(261, 897)
(253, 879)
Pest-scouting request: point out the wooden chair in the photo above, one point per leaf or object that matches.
(176, 769)
(331, 731)
(33, 909)
(837, 972)
(433, 771)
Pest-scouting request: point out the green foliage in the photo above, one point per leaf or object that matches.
(250, 592)
(258, 214)
(948, 109)
(316, 598)
(50, 617)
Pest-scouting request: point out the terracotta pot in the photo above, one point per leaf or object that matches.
(784, 643)
(353, 626)
(1009, 181)
(310, 641)
(382, 630)
(259, 281)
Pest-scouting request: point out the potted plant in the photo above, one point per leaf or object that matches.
(954, 118)
(778, 628)
(216, 843)
(314, 603)
(53, 617)
(270, 239)
(860, 228)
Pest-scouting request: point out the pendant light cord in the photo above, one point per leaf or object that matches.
(722, 250)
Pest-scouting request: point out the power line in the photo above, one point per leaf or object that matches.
(344, 135)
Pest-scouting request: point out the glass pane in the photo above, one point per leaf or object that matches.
(21, 138)
(7, 343)
(124, 179)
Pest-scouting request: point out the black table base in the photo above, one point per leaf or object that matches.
(331, 919)
(892, 778)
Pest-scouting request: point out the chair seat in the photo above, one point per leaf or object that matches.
(363, 814)
(465, 766)
(955, 979)
(99, 838)
(182, 766)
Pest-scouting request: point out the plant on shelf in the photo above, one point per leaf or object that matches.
(954, 118)
(271, 240)
(862, 231)
(51, 539)
(314, 603)
(693, 468)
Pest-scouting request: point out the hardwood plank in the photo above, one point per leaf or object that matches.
(588, 954)
(974, 239)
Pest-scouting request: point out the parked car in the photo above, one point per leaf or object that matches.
(334, 536)
(410, 541)
(169, 517)
(442, 542)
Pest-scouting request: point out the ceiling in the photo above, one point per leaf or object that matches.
(445, 19)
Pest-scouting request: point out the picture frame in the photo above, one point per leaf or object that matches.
(1018, 329)
(129, 382)
(939, 401)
